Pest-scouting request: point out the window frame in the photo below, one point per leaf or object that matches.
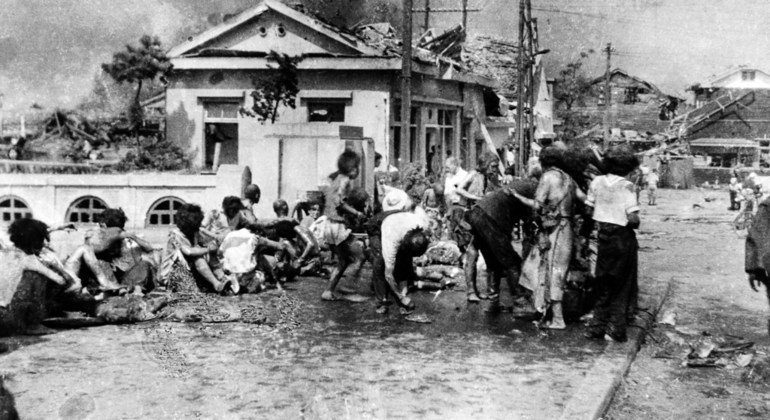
(13, 209)
(91, 210)
(310, 102)
(171, 212)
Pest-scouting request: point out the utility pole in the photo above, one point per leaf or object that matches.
(464, 10)
(465, 14)
(531, 77)
(521, 161)
(607, 97)
(406, 84)
(426, 26)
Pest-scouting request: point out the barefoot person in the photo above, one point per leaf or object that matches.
(186, 265)
(22, 285)
(492, 220)
(402, 239)
(613, 205)
(337, 212)
(113, 256)
(554, 202)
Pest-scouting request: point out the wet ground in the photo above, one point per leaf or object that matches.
(341, 360)
(699, 249)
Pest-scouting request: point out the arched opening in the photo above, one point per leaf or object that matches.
(161, 213)
(84, 209)
(13, 208)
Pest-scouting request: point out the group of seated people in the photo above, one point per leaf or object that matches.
(472, 216)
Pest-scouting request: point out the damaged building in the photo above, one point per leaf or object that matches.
(729, 127)
(346, 79)
(639, 109)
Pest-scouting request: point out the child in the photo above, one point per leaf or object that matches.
(612, 203)
(336, 232)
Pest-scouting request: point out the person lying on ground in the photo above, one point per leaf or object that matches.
(335, 226)
(402, 239)
(113, 257)
(492, 220)
(186, 266)
(23, 284)
(612, 204)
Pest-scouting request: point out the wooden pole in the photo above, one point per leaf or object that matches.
(531, 78)
(521, 161)
(406, 84)
(607, 97)
(465, 15)
(426, 26)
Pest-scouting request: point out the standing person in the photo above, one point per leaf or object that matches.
(554, 202)
(455, 208)
(510, 156)
(735, 189)
(336, 234)
(652, 187)
(429, 160)
(492, 220)
(757, 262)
(613, 206)
(479, 183)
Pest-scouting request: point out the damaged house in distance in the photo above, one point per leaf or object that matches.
(729, 127)
(349, 86)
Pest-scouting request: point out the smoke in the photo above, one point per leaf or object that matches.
(50, 51)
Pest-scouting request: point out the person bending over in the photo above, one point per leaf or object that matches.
(297, 237)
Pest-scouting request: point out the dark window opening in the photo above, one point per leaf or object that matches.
(327, 111)
(161, 214)
(85, 209)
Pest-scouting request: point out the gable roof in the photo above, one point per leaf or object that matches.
(716, 78)
(197, 42)
(620, 72)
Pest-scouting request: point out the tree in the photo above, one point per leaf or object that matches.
(146, 62)
(571, 89)
(279, 87)
(572, 85)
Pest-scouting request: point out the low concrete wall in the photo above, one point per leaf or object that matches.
(50, 196)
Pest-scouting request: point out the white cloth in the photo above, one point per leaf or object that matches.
(238, 249)
(395, 227)
(613, 198)
(452, 183)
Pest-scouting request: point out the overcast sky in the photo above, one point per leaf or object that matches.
(51, 49)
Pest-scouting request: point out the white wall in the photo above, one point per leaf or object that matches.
(50, 196)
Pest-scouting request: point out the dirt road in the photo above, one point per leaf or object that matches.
(698, 249)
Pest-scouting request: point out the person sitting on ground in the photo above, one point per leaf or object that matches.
(215, 224)
(612, 204)
(297, 237)
(402, 239)
(23, 283)
(336, 232)
(187, 266)
(251, 196)
(113, 257)
(239, 218)
(313, 211)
